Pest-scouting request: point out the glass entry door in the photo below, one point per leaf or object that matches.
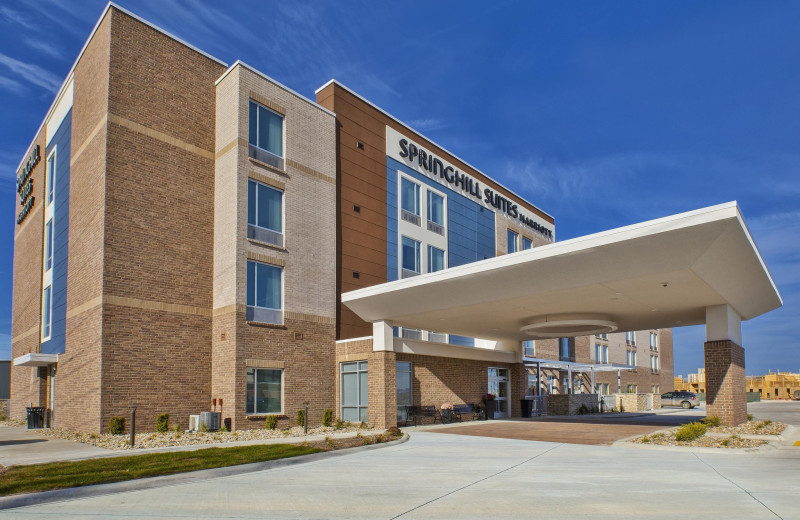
(498, 386)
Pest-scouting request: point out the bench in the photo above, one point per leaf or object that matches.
(430, 411)
(459, 410)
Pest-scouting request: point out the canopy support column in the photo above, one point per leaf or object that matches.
(724, 363)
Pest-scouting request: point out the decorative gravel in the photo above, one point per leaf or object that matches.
(733, 440)
(160, 440)
(752, 428)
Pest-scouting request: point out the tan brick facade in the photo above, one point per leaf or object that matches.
(156, 292)
(725, 382)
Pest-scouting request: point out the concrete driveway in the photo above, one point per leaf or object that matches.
(458, 476)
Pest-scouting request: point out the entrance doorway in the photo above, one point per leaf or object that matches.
(498, 385)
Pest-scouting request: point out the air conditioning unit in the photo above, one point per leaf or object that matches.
(194, 423)
(211, 420)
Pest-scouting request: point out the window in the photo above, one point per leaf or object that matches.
(353, 378)
(654, 341)
(551, 384)
(47, 314)
(50, 181)
(435, 212)
(435, 259)
(264, 391)
(264, 289)
(527, 243)
(266, 129)
(48, 245)
(601, 388)
(654, 363)
(405, 396)
(409, 200)
(528, 348)
(577, 385)
(600, 353)
(655, 389)
(630, 338)
(533, 384)
(630, 358)
(563, 349)
(632, 389)
(410, 257)
(264, 213)
(512, 241)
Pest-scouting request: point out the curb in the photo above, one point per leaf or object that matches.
(58, 495)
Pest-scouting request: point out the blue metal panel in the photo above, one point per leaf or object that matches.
(61, 141)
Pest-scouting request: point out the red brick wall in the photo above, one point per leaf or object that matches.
(725, 383)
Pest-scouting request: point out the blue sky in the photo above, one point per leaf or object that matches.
(602, 113)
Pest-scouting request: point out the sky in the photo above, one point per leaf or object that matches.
(604, 114)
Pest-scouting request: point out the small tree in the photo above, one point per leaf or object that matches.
(271, 422)
(301, 417)
(327, 417)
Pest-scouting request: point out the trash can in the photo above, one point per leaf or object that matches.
(527, 407)
(35, 416)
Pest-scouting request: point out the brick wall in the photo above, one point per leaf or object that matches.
(725, 382)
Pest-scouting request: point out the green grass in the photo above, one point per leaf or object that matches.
(59, 475)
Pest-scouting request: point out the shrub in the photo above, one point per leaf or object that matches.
(203, 427)
(224, 428)
(749, 417)
(271, 422)
(646, 439)
(177, 428)
(339, 424)
(393, 432)
(301, 417)
(690, 432)
(162, 423)
(363, 425)
(331, 444)
(711, 420)
(583, 410)
(116, 425)
(327, 417)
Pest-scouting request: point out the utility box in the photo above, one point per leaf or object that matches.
(211, 420)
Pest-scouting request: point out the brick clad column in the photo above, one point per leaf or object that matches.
(725, 384)
(382, 389)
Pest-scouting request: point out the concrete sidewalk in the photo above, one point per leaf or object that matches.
(436, 476)
(21, 446)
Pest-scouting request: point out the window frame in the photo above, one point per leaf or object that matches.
(283, 205)
(255, 412)
(509, 233)
(47, 313)
(258, 117)
(365, 406)
(48, 245)
(444, 258)
(528, 241)
(417, 196)
(418, 256)
(50, 177)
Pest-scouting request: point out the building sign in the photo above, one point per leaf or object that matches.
(423, 161)
(25, 184)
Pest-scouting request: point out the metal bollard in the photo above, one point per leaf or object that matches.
(305, 421)
(133, 426)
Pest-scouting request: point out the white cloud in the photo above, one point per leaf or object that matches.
(427, 124)
(43, 47)
(11, 85)
(16, 17)
(31, 73)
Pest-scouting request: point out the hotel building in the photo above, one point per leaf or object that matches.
(186, 230)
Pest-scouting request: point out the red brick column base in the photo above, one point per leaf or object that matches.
(725, 385)
(382, 389)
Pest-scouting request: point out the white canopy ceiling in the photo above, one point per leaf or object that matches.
(656, 274)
